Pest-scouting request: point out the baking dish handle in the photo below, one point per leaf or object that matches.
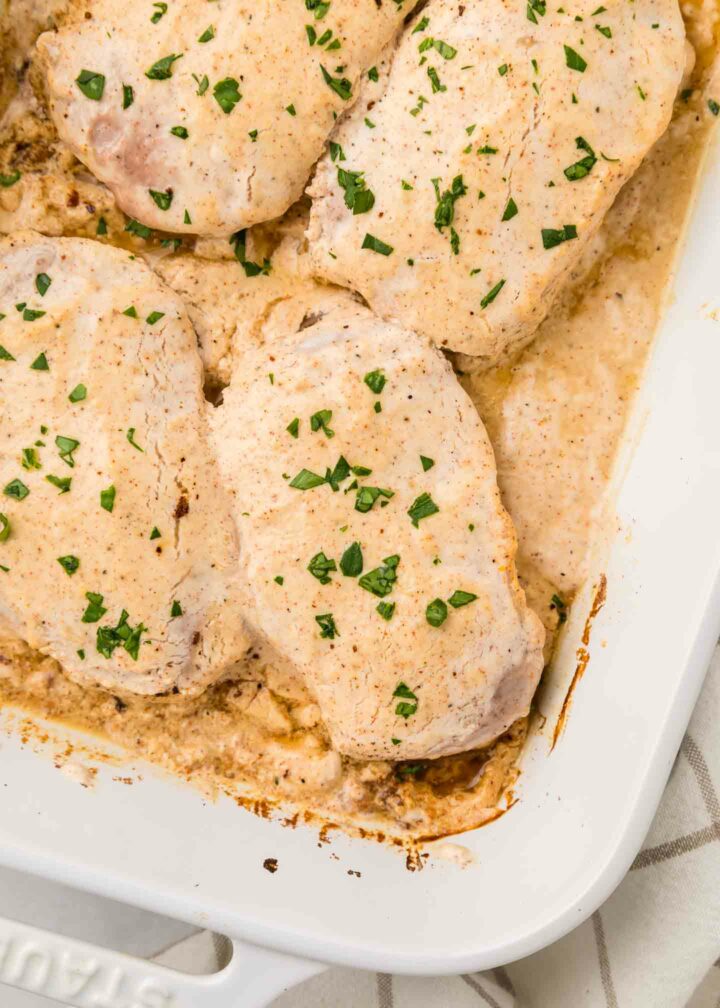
(85, 976)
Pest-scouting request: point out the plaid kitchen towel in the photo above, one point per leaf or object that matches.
(654, 944)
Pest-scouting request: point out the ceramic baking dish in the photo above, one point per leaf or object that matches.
(582, 808)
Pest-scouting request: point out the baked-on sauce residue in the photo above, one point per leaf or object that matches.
(583, 657)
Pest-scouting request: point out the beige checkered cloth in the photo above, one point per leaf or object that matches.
(654, 944)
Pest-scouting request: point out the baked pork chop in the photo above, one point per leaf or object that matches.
(377, 551)
(207, 117)
(118, 550)
(460, 191)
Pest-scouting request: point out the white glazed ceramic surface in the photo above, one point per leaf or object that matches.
(582, 810)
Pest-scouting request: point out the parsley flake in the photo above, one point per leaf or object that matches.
(69, 564)
(163, 69)
(107, 498)
(422, 507)
(91, 84)
(376, 245)
(351, 562)
(436, 612)
(328, 629)
(461, 598)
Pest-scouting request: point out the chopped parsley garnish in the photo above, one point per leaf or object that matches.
(328, 630)
(30, 459)
(358, 198)
(535, 7)
(131, 312)
(503, 69)
(122, 635)
(163, 69)
(107, 498)
(306, 480)
(5, 528)
(130, 435)
(556, 236)
(5, 354)
(30, 314)
(340, 85)
(203, 83)
(16, 489)
(160, 9)
(10, 179)
(154, 317)
(155, 533)
(40, 363)
(42, 283)
(252, 269)
(208, 34)
(176, 610)
(336, 152)
(386, 610)
(713, 106)
(321, 567)
(436, 612)
(375, 381)
(492, 294)
(426, 463)
(136, 228)
(162, 200)
(293, 427)
(561, 607)
(279, 579)
(318, 7)
(510, 210)
(128, 96)
(421, 25)
(445, 207)
(376, 245)
(366, 497)
(408, 701)
(461, 598)
(584, 166)
(321, 421)
(61, 482)
(435, 82)
(351, 562)
(446, 51)
(574, 60)
(373, 74)
(69, 563)
(381, 580)
(66, 446)
(78, 394)
(95, 609)
(422, 507)
(91, 84)
(340, 472)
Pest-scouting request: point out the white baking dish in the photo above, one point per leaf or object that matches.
(583, 808)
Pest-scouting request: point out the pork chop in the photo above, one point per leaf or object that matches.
(379, 558)
(118, 551)
(207, 118)
(465, 183)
